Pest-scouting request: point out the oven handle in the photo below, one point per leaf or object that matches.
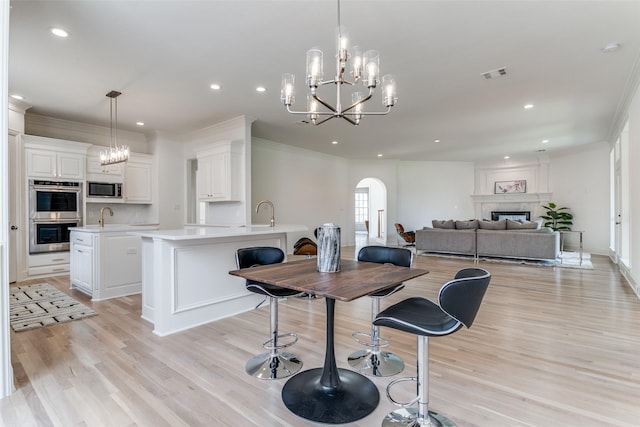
(54, 221)
(55, 189)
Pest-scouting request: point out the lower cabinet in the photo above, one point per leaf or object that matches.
(105, 265)
(49, 264)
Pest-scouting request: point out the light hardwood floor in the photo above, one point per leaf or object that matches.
(550, 347)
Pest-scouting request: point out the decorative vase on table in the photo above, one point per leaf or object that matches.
(328, 248)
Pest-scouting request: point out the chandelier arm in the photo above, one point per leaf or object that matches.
(362, 101)
(320, 113)
(324, 120)
(371, 113)
(315, 96)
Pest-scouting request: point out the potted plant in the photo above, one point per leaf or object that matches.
(558, 219)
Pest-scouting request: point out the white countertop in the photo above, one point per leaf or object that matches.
(193, 232)
(112, 228)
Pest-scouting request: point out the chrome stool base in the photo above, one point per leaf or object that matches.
(375, 364)
(407, 417)
(269, 366)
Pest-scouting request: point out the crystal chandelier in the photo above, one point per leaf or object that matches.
(115, 153)
(364, 67)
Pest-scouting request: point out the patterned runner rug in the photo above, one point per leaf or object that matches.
(35, 306)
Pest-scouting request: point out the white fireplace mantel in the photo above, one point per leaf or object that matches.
(512, 198)
(484, 204)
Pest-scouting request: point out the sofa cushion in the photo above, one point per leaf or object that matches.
(493, 225)
(522, 225)
(449, 224)
(472, 224)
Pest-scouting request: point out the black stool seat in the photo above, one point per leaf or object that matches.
(418, 316)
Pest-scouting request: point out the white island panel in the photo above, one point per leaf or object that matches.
(185, 280)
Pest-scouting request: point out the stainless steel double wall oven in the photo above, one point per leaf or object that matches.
(54, 207)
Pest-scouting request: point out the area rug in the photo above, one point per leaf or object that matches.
(566, 260)
(35, 306)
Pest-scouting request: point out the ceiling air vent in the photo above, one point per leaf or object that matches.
(498, 72)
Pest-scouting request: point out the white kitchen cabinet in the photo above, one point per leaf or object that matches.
(81, 257)
(54, 158)
(99, 173)
(138, 179)
(220, 175)
(49, 164)
(106, 265)
(53, 263)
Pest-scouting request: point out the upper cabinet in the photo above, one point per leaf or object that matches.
(99, 173)
(54, 158)
(138, 179)
(219, 177)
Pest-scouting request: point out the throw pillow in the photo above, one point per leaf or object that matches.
(493, 225)
(524, 225)
(472, 224)
(449, 224)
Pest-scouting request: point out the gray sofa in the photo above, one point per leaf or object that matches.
(501, 239)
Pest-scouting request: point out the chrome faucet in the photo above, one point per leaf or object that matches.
(273, 211)
(101, 220)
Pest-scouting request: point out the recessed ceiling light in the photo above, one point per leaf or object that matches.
(261, 89)
(334, 142)
(59, 32)
(507, 157)
(610, 47)
(140, 123)
(436, 140)
(544, 141)
(18, 97)
(215, 86)
(528, 106)
(379, 155)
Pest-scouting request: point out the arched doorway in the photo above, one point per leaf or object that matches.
(370, 212)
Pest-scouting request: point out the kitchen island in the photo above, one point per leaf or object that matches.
(105, 262)
(185, 280)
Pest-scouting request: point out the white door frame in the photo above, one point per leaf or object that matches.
(6, 372)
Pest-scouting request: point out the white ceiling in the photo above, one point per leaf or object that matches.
(163, 55)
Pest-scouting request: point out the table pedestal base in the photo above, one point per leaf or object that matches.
(354, 398)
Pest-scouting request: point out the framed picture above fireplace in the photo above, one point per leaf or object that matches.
(517, 186)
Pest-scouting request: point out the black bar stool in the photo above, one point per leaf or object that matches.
(373, 361)
(459, 301)
(274, 364)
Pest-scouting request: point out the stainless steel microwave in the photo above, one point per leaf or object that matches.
(104, 189)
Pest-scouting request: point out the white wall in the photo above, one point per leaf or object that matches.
(579, 179)
(170, 176)
(305, 187)
(434, 190)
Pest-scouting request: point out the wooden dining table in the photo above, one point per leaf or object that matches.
(330, 394)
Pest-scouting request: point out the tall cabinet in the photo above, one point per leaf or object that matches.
(220, 171)
(50, 159)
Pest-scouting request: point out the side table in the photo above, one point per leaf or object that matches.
(562, 240)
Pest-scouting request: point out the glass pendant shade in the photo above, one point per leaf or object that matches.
(288, 92)
(314, 67)
(371, 68)
(389, 92)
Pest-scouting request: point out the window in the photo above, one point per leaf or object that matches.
(362, 208)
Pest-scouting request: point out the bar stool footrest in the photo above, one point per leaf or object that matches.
(370, 342)
(269, 346)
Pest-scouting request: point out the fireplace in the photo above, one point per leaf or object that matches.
(513, 215)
